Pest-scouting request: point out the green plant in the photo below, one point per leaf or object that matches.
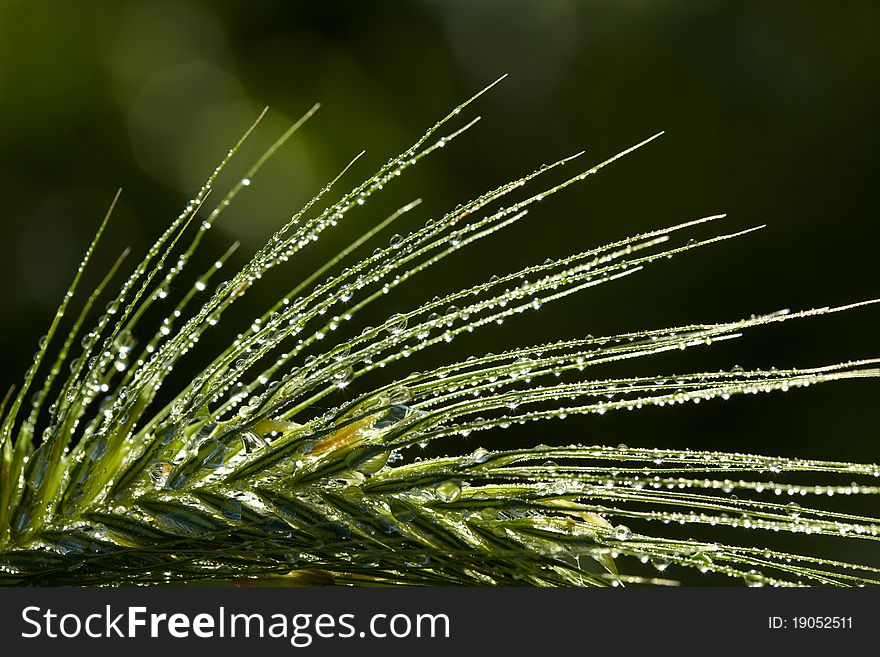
(244, 476)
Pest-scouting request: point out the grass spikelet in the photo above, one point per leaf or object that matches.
(249, 473)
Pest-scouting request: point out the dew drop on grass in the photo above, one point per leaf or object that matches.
(343, 377)
(402, 512)
(368, 459)
(660, 563)
(392, 416)
(158, 472)
(175, 482)
(252, 442)
(22, 521)
(480, 455)
(399, 395)
(447, 491)
(396, 324)
(216, 454)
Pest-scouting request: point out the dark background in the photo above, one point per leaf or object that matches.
(770, 109)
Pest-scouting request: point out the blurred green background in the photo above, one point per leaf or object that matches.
(770, 109)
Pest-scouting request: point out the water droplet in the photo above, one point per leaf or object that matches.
(395, 414)
(232, 509)
(448, 491)
(98, 449)
(368, 459)
(22, 521)
(396, 324)
(343, 377)
(399, 395)
(40, 464)
(480, 455)
(158, 472)
(402, 511)
(166, 434)
(524, 364)
(252, 441)
(216, 455)
(660, 563)
(622, 533)
(175, 482)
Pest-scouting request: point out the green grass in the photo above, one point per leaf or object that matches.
(246, 475)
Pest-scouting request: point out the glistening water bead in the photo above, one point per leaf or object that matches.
(447, 491)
